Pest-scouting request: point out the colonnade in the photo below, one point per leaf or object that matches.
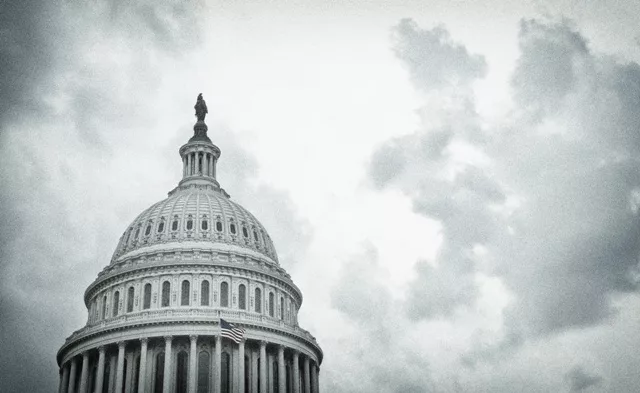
(199, 163)
(87, 372)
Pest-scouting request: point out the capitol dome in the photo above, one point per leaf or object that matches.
(193, 300)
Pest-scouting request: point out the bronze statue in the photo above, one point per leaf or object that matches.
(201, 108)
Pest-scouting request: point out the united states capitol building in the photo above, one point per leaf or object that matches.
(183, 264)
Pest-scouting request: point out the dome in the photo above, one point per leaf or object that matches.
(193, 300)
(201, 217)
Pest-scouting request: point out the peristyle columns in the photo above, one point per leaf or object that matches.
(120, 370)
(241, 366)
(100, 371)
(192, 363)
(296, 372)
(263, 367)
(282, 383)
(166, 383)
(307, 379)
(64, 387)
(218, 360)
(84, 375)
(72, 376)
(143, 365)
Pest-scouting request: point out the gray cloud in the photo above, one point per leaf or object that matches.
(572, 242)
(581, 381)
(434, 60)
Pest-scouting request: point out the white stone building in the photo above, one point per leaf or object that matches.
(182, 264)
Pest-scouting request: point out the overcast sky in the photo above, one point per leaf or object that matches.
(454, 185)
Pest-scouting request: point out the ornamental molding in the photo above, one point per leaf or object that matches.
(300, 336)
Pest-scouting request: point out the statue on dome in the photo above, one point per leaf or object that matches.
(201, 108)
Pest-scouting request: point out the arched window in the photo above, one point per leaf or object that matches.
(104, 306)
(161, 226)
(242, 297)
(204, 225)
(182, 372)
(148, 230)
(255, 235)
(203, 372)
(116, 300)
(174, 224)
(147, 296)
(245, 232)
(271, 305)
(281, 308)
(204, 293)
(157, 388)
(224, 294)
(218, 226)
(225, 371)
(258, 295)
(232, 227)
(130, 294)
(184, 298)
(166, 293)
(189, 224)
(137, 232)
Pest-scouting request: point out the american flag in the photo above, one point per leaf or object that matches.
(230, 331)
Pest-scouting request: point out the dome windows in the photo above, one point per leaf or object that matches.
(146, 304)
(224, 294)
(242, 297)
(190, 223)
(245, 232)
(147, 231)
(204, 224)
(130, 295)
(271, 305)
(116, 300)
(258, 296)
(184, 295)
(204, 293)
(161, 225)
(232, 228)
(175, 223)
(255, 235)
(166, 293)
(218, 226)
(137, 233)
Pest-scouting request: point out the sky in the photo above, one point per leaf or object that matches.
(453, 185)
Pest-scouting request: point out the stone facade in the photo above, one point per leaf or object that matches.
(184, 263)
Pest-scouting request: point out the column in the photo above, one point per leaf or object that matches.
(282, 376)
(218, 360)
(263, 366)
(254, 372)
(84, 375)
(112, 372)
(296, 372)
(193, 351)
(214, 167)
(100, 370)
(241, 364)
(198, 163)
(72, 376)
(316, 380)
(129, 372)
(143, 365)
(189, 163)
(168, 360)
(120, 371)
(64, 387)
(307, 377)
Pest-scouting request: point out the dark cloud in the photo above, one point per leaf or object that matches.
(580, 381)
(572, 240)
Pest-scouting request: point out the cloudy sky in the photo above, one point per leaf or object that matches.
(454, 185)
